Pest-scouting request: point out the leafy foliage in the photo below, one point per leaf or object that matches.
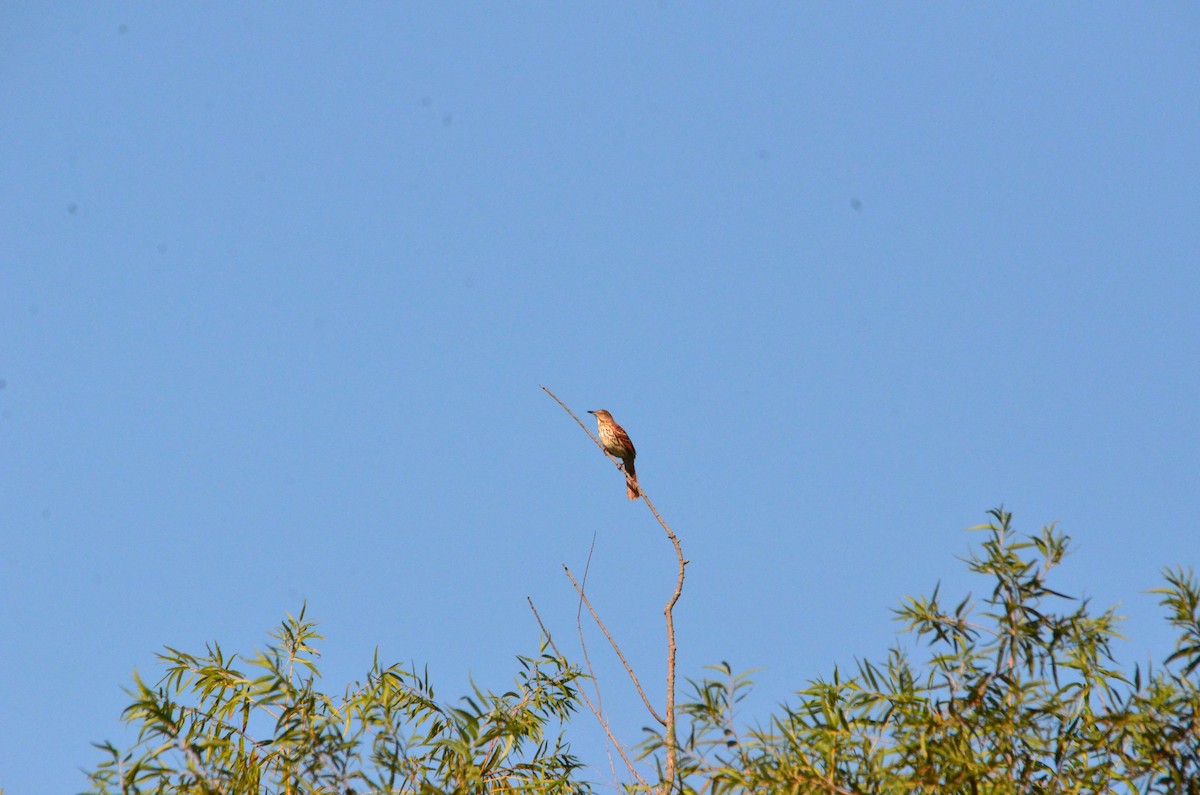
(1013, 698)
(1018, 693)
(209, 728)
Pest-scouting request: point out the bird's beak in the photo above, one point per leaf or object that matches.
(591, 412)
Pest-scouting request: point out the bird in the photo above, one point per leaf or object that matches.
(616, 443)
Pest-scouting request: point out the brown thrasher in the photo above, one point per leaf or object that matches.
(616, 443)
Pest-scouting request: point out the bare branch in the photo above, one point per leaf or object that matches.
(669, 737)
(669, 612)
(603, 723)
(616, 648)
(587, 658)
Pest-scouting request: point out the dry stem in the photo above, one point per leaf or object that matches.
(669, 735)
(588, 701)
(616, 648)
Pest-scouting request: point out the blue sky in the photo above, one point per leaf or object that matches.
(279, 284)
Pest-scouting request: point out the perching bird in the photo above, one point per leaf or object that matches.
(616, 443)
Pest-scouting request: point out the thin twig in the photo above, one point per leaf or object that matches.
(616, 648)
(587, 658)
(581, 425)
(669, 612)
(588, 701)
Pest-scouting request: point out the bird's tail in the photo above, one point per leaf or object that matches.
(631, 484)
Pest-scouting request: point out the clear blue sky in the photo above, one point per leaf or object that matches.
(278, 285)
